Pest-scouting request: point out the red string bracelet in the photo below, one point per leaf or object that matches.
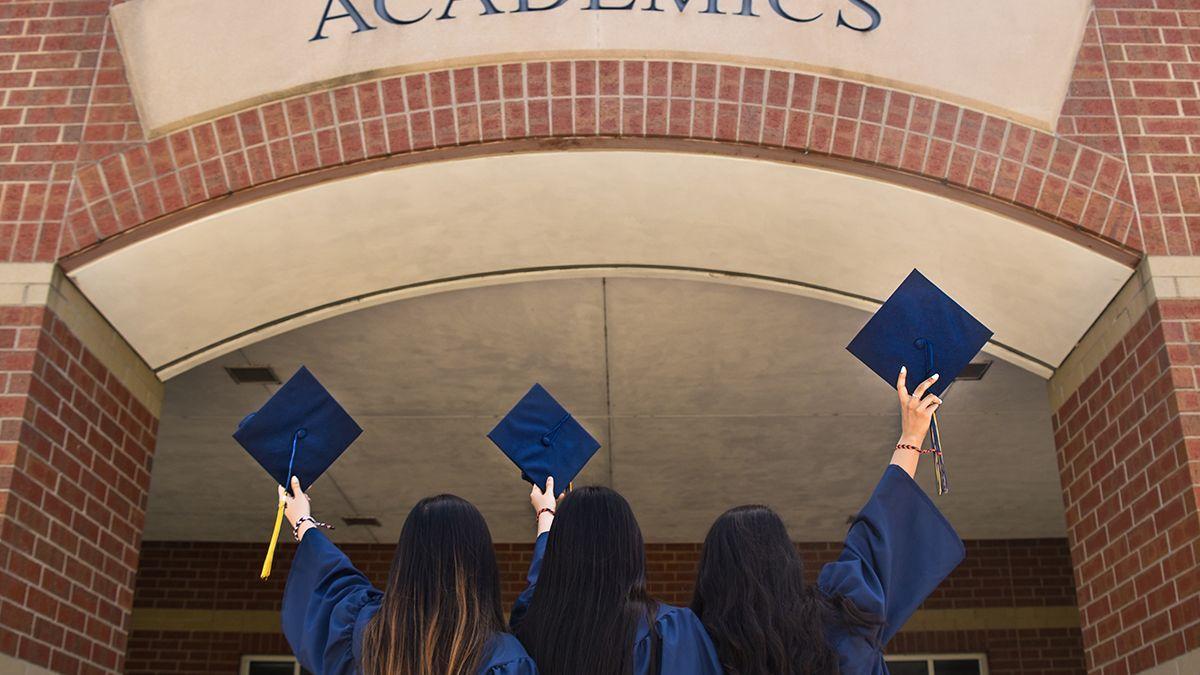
(906, 446)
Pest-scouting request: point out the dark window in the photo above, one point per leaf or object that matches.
(956, 667)
(908, 667)
(272, 668)
(936, 664)
(271, 665)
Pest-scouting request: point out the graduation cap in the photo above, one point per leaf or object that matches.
(543, 439)
(299, 432)
(922, 329)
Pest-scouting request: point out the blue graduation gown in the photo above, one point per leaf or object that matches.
(898, 550)
(327, 604)
(686, 646)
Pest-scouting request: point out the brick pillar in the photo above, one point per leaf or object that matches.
(1127, 427)
(78, 417)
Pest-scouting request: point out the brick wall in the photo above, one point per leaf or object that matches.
(204, 575)
(1126, 439)
(64, 101)
(1135, 93)
(1027, 651)
(75, 452)
(1127, 443)
(194, 575)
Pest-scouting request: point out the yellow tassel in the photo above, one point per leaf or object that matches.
(266, 568)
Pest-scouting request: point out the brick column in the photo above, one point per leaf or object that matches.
(78, 417)
(1127, 427)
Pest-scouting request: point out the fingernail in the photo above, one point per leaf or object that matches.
(903, 369)
(935, 376)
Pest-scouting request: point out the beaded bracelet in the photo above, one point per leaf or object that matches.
(906, 446)
(544, 510)
(302, 519)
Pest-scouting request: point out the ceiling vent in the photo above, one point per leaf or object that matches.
(252, 374)
(974, 371)
(365, 521)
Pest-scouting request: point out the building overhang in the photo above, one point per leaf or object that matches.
(205, 287)
(191, 60)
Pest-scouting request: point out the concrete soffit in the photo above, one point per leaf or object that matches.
(1156, 278)
(43, 284)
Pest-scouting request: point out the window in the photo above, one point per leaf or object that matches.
(937, 664)
(271, 665)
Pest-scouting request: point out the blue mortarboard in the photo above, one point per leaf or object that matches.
(302, 414)
(924, 330)
(299, 432)
(543, 440)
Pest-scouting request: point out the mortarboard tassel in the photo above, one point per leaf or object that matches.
(266, 568)
(939, 464)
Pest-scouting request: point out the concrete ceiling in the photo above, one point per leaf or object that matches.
(269, 266)
(703, 395)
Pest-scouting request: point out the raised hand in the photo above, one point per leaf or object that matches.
(295, 505)
(916, 414)
(916, 410)
(543, 503)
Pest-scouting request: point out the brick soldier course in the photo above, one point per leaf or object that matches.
(1060, 178)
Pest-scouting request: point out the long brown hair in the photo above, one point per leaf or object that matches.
(442, 604)
(751, 596)
(591, 594)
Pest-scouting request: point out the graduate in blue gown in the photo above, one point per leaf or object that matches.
(440, 613)
(765, 620)
(586, 610)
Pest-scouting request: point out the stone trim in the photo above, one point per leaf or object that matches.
(993, 618)
(1184, 664)
(206, 620)
(925, 620)
(10, 665)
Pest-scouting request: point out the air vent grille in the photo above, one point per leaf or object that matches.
(252, 374)
(365, 521)
(974, 371)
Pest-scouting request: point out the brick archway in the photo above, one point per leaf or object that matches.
(1071, 188)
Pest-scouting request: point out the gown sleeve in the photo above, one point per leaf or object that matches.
(686, 646)
(323, 602)
(521, 606)
(898, 550)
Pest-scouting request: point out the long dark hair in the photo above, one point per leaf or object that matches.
(751, 596)
(442, 603)
(591, 593)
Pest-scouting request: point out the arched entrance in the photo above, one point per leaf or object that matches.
(692, 306)
(439, 205)
(716, 198)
